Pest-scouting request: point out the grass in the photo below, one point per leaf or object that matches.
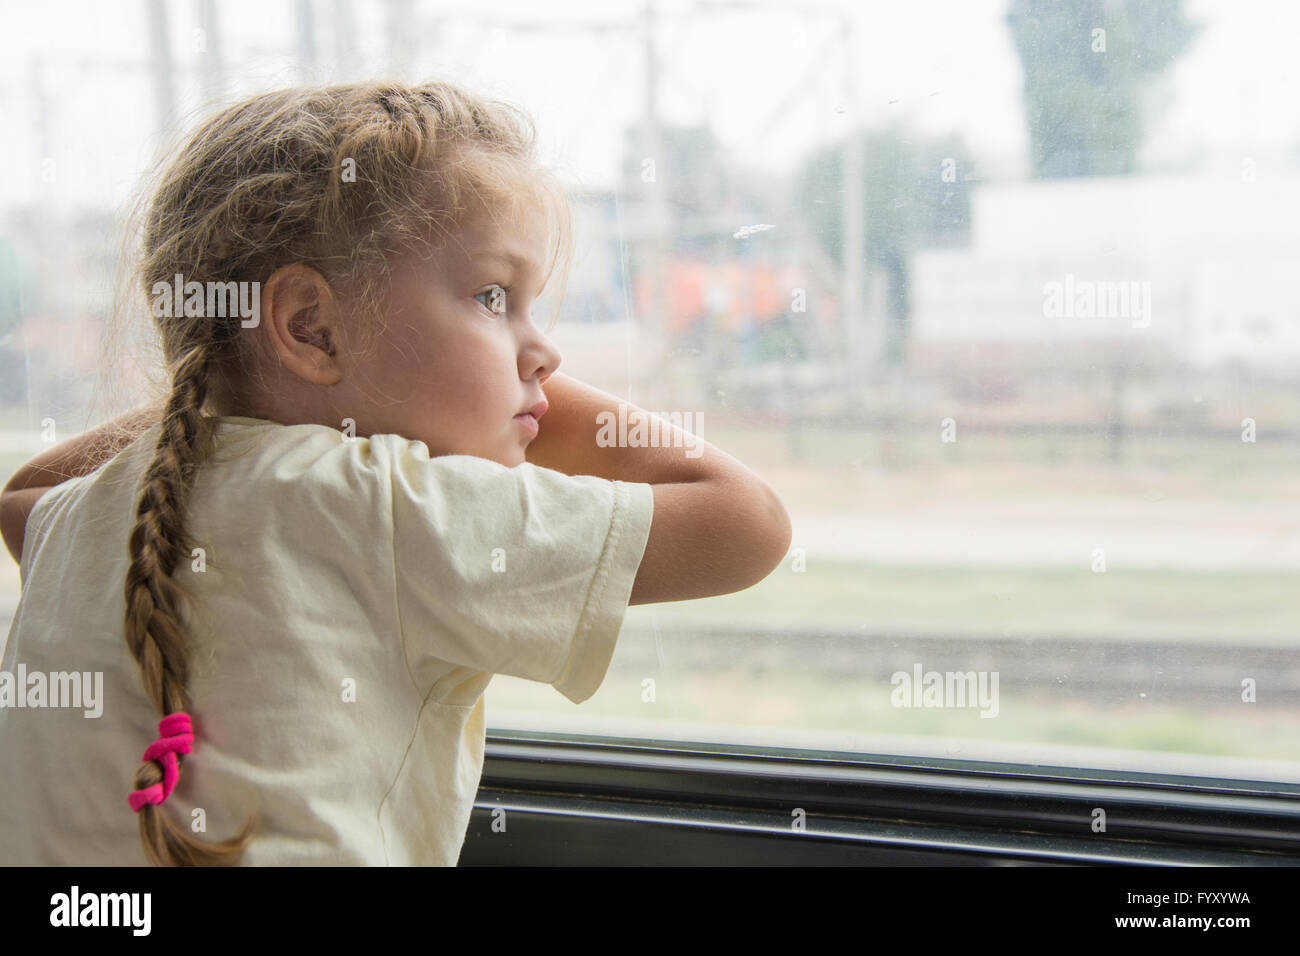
(795, 699)
(1150, 605)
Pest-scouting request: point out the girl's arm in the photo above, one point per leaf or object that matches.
(717, 526)
(82, 454)
(15, 506)
(569, 434)
(69, 459)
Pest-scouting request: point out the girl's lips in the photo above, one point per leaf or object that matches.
(528, 422)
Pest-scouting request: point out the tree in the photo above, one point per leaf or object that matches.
(915, 193)
(1087, 64)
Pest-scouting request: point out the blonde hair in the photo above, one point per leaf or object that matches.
(260, 185)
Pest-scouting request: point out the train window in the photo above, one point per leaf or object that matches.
(1015, 352)
(994, 294)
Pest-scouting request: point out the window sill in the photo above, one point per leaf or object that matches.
(599, 801)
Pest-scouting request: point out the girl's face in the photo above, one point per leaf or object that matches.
(461, 357)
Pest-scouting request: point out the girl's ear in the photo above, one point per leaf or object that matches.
(302, 321)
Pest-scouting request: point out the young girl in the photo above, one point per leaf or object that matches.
(353, 507)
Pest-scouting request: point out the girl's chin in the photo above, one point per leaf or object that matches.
(510, 457)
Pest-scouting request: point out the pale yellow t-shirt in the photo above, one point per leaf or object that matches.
(354, 599)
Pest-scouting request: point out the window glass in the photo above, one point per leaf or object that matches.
(996, 295)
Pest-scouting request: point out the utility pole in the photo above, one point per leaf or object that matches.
(160, 59)
(402, 31)
(345, 30)
(214, 76)
(854, 320)
(306, 22)
(658, 226)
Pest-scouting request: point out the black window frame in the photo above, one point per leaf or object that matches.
(597, 800)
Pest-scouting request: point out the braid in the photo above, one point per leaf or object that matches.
(154, 629)
(341, 179)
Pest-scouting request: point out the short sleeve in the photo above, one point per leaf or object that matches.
(34, 531)
(522, 571)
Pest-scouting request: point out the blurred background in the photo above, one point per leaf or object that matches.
(998, 295)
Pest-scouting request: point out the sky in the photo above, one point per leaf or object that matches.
(774, 79)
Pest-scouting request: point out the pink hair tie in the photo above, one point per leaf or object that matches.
(174, 736)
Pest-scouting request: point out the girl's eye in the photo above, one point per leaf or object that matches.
(496, 301)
